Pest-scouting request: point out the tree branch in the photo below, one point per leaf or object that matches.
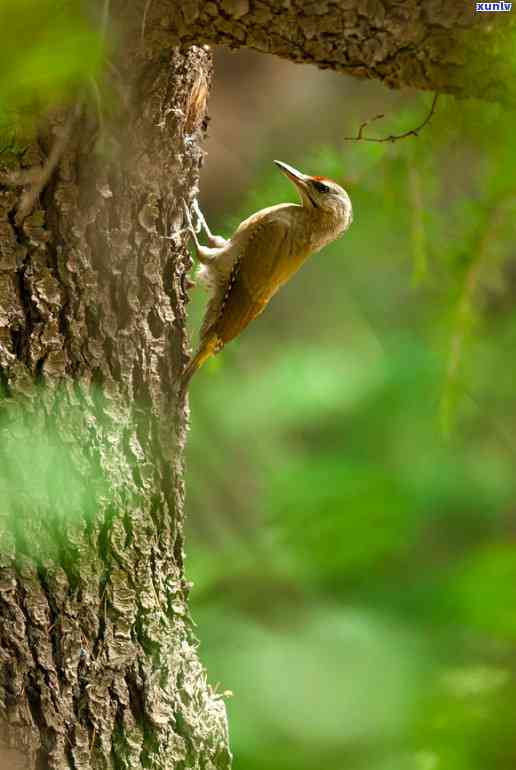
(424, 44)
(392, 137)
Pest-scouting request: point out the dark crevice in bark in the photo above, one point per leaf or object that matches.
(37, 713)
(71, 759)
(5, 390)
(34, 701)
(53, 621)
(103, 543)
(118, 742)
(39, 376)
(149, 745)
(11, 693)
(17, 337)
(21, 333)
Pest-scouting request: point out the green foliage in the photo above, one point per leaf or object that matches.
(49, 49)
(483, 590)
(15, 133)
(354, 561)
(47, 487)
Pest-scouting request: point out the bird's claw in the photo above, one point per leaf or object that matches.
(189, 284)
(200, 219)
(189, 225)
(201, 222)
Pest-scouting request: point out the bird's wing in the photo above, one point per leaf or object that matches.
(251, 283)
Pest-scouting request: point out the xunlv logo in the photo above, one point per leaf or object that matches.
(490, 7)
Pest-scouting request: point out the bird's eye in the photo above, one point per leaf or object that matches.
(320, 187)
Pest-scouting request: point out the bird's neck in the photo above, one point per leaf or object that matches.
(324, 226)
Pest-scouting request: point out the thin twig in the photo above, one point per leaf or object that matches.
(98, 103)
(144, 23)
(93, 83)
(359, 137)
(42, 176)
(392, 137)
(105, 20)
(21, 177)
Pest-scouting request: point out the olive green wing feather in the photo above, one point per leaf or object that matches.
(251, 283)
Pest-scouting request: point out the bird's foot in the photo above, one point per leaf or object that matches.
(201, 221)
(205, 255)
(189, 224)
(189, 283)
(214, 240)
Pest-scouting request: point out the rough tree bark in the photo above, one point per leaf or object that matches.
(98, 662)
(432, 45)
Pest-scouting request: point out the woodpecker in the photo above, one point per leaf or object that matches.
(243, 273)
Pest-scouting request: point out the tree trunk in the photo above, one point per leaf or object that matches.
(98, 659)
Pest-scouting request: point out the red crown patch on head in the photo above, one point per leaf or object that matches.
(322, 178)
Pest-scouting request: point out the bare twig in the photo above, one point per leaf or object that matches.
(98, 103)
(359, 137)
(21, 178)
(105, 20)
(29, 196)
(144, 22)
(392, 137)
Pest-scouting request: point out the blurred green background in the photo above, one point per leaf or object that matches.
(350, 486)
(350, 491)
(49, 50)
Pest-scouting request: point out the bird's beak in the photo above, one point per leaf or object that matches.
(300, 180)
(296, 176)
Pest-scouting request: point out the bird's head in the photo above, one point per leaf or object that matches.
(318, 192)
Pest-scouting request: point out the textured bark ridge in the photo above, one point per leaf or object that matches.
(427, 44)
(98, 663)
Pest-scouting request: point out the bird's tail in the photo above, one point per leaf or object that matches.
(206, 350)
